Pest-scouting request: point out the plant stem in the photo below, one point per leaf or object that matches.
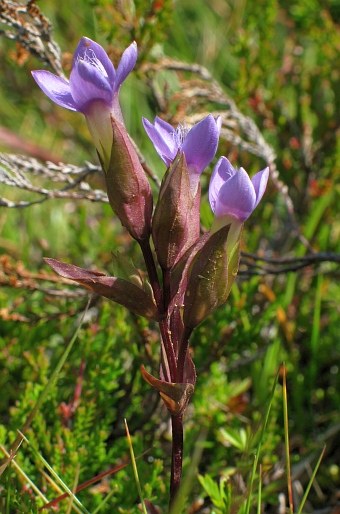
(182, 353)
(177, 422)
(171, 367)
(152, 273)
(177, 456)
(168, 347)
(166, 288)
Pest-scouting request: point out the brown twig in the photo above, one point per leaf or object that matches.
(19, 171)
(286, 265)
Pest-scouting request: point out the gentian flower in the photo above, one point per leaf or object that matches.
(214, 265)
(198, 144)
(233, 196)
(92, 90)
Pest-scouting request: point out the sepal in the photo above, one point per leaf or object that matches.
(179, 274)
(116, 289)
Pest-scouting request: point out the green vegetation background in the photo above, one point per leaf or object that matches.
(280, 62)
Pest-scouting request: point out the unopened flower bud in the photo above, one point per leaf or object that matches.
(128, 188)
(176, 222)
(211, 275)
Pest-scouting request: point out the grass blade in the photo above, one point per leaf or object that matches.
(104, 502)
(134, 466)
(310, 483)
(286, 430)
(74, 488)
(23, 474)
(259, 497)
(257, 455)
(57, 479)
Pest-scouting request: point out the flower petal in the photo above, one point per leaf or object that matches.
(259, 182)
(91, 52)
(56, 88)
(169, 135)
(126, 65)
(218, 121)
(223, 171)
(163, 127)
(88, 84)
(162, 140)
(237, 197)
(200, 144)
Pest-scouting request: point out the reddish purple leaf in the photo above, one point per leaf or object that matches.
(174, 395)
(116, 289)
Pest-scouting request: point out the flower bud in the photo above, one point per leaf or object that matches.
(128, 188)
(176, 222)
(210, 278)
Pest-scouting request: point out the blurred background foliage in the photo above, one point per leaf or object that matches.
(280, 62)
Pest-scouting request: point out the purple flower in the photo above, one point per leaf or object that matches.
(233, 195)
(92, 90)
(199, 144)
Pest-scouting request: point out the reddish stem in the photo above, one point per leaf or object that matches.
(177, 457)
(174, 366)
(166, 288)
(169, 349)
(182, 353)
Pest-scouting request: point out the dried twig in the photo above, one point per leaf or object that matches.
(286, 265)
(14, 274)
(18, 171)
(32, 31)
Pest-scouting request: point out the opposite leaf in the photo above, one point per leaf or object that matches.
(175, 396)
(116, 289)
